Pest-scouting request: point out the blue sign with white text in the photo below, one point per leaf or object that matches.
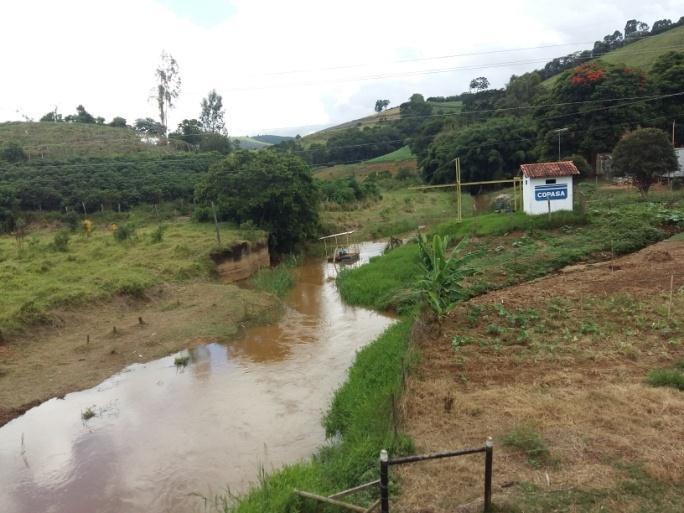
(551, 192)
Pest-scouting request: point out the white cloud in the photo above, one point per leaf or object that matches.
(103, 54)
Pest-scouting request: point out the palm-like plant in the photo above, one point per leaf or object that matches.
(440, 285)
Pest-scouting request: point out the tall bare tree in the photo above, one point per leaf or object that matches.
(168, 86)
(212, 113)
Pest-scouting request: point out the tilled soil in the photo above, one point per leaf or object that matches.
(585, 395)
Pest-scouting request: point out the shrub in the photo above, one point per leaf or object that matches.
(61, 240)
(157, 235)
(13, 153)
(124, 232)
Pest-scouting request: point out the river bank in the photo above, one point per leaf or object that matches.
(162, 436)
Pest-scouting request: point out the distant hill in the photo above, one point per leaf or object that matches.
(67, 140)
(271, 139)
(251, 143)
(643, 53)
(392, 114)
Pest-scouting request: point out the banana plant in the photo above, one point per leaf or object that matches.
(441, 283)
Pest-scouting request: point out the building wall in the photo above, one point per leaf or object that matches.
(538, 194)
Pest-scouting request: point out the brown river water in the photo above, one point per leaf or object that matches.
(162, 437)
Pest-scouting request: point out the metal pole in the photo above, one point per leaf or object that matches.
(489, 458)
(458, 188)
(384, 482)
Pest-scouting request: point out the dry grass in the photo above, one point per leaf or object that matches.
(576, 380)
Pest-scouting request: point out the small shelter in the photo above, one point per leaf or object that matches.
(547, 186)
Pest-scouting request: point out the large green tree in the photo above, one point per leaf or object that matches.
(597, 103)
(489, 150)
(644, 154)
(274, 190)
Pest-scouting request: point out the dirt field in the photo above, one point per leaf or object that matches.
(555, 371)
(83, 346)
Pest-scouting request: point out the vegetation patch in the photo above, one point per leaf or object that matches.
(277, 280)
(673, 377)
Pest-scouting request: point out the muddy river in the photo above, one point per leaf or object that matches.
(163, 437)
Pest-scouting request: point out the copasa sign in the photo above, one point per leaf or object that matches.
(551, 192)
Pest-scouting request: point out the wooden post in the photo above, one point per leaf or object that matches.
(669, 305)
(548, 201)
(218, 233)
(489, 459)
(459, 212)
(384, 482)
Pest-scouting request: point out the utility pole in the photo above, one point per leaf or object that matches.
(673, 132)
(559, 131)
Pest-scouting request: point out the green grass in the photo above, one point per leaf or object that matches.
(634, 491)
(640, 54)
(673, 377)
(37, 277)
(400, 211)
(275, 280)
(361, 416)
(511, 248)
(67, 140)
(528, 440)
(403, 153)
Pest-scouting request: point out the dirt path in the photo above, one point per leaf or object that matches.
(555, 371)
(86, 345)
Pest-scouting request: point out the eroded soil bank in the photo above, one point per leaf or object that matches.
(86, 345)
(556, 371)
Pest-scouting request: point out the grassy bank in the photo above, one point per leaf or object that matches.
(399, 211)
(53, 266)
(511, 248)
(359, 419)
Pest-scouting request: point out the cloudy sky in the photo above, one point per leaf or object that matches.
(280, 65)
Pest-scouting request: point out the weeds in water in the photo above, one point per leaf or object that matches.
(275, 280)
(88, 413)
(182, 361)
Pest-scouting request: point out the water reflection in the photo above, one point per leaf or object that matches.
(162, 434)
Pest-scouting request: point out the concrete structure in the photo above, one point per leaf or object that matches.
(547, 186)
(680, 172)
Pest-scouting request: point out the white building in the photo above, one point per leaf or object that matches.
(547, 186)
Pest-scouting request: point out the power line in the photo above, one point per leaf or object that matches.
(447, 115)
(455, 55)
(424, 72)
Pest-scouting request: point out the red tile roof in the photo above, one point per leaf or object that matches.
(547, 169)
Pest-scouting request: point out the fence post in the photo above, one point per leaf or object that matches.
(489, 457)
(384, 482)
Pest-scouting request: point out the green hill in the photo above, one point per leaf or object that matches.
(250, 143)
(271, 139)
(68, 140)
(389, 115)
(641, 54)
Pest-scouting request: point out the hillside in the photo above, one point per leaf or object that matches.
(391, 114)
(251, 143)
(67, 140)
(641, 54)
